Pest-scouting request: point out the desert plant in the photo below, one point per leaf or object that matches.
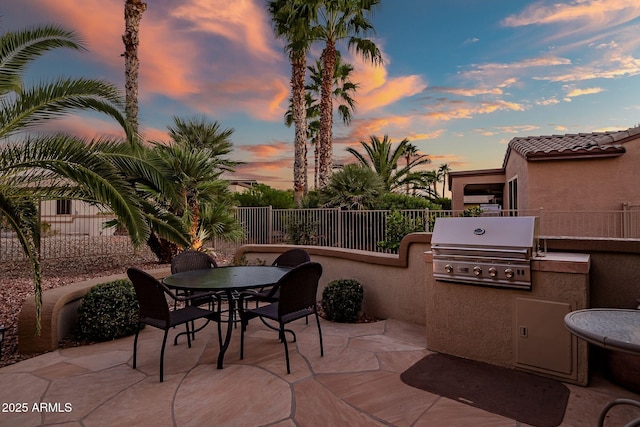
(342, 300)
(108, 311)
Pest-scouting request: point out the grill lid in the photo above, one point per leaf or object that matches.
(485, 232)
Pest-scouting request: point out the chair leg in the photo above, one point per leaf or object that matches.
(286, 348)
(243, 327)
(319, 335)
(135, 346)
(188, 334)
(164, 342)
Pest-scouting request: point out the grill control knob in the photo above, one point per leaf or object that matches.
(477, 270)
(448, 268)
(508, 273)
(493, 272)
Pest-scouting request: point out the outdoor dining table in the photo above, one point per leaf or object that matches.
(230, 280)
(610, 328)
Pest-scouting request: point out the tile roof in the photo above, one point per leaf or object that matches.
(598, 144)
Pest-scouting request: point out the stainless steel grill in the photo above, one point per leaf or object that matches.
(489, 251)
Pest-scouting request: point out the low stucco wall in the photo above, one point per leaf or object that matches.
(393, 284)
(614, 277)
(58, 314)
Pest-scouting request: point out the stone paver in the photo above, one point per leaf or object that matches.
(356, 383)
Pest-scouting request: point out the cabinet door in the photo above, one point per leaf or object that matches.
(542, 341)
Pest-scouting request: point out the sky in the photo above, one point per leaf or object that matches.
(459, 78)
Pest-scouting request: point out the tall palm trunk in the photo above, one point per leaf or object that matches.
(315, 164)
(325, 149)
(133, 10)
(298, 70)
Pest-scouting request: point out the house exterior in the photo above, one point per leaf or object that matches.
(584, 172)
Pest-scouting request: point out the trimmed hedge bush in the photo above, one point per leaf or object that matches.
(342, 300)
(108, 311)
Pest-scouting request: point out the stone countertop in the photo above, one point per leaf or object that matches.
(562, 262)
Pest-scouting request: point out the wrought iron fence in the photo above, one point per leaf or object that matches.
(76, 230)
(361, 230)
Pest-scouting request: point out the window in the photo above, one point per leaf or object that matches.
(513, 197)
(63, 207)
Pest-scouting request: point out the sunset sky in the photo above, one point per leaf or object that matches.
(460, 78)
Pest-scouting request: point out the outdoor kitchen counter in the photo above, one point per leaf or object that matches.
(510, 327)
(562, 262)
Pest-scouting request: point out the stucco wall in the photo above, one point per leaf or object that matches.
(597, 184)
(393, 284)
(614, 276)
(460, 181)
(517, 168)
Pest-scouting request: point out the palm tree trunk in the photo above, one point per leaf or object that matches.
(315, 165)
(325, 149)
(298, 70)
(133, 10)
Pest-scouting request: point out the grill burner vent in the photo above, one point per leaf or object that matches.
(489, 251)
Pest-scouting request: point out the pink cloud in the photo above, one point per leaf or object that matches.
(377, 89)
(593, 13)
(183, 53)
(244, 22)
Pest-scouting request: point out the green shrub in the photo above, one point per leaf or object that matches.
(342, 300)
(108, 311)
(472, 211)
(397, 227)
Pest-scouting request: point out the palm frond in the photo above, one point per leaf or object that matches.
(49, 101)
(18, 49)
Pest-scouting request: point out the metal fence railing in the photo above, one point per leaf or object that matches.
(76, 230)
(361, 230)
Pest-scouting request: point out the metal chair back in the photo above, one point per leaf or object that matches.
(191, 260)
(292, 258)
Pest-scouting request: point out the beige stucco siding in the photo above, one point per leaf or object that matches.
(599, 184)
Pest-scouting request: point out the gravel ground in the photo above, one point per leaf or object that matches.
(16, 284)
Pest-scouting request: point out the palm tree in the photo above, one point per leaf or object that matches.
(382, 158)
(58, 166)
(409, 151)
(342, 93)
(195, 161)
(339, 20)
(200, 134)
(354, 187)
(291, 21)
(444, 170)
(133, 10)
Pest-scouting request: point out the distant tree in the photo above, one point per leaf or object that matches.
(261, 195)
(401, 201)
(354, 187)
(443, 171)
(343, 92)
(383, 159)
(409, 152)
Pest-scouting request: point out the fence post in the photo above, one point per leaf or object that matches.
(270, 224)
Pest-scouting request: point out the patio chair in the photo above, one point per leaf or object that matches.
(298, 289)
(290, 258)
(190, 260)
(154, 310)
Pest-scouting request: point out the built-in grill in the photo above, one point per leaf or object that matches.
(489, 251)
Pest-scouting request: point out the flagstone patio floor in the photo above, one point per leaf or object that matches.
(356, 383)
